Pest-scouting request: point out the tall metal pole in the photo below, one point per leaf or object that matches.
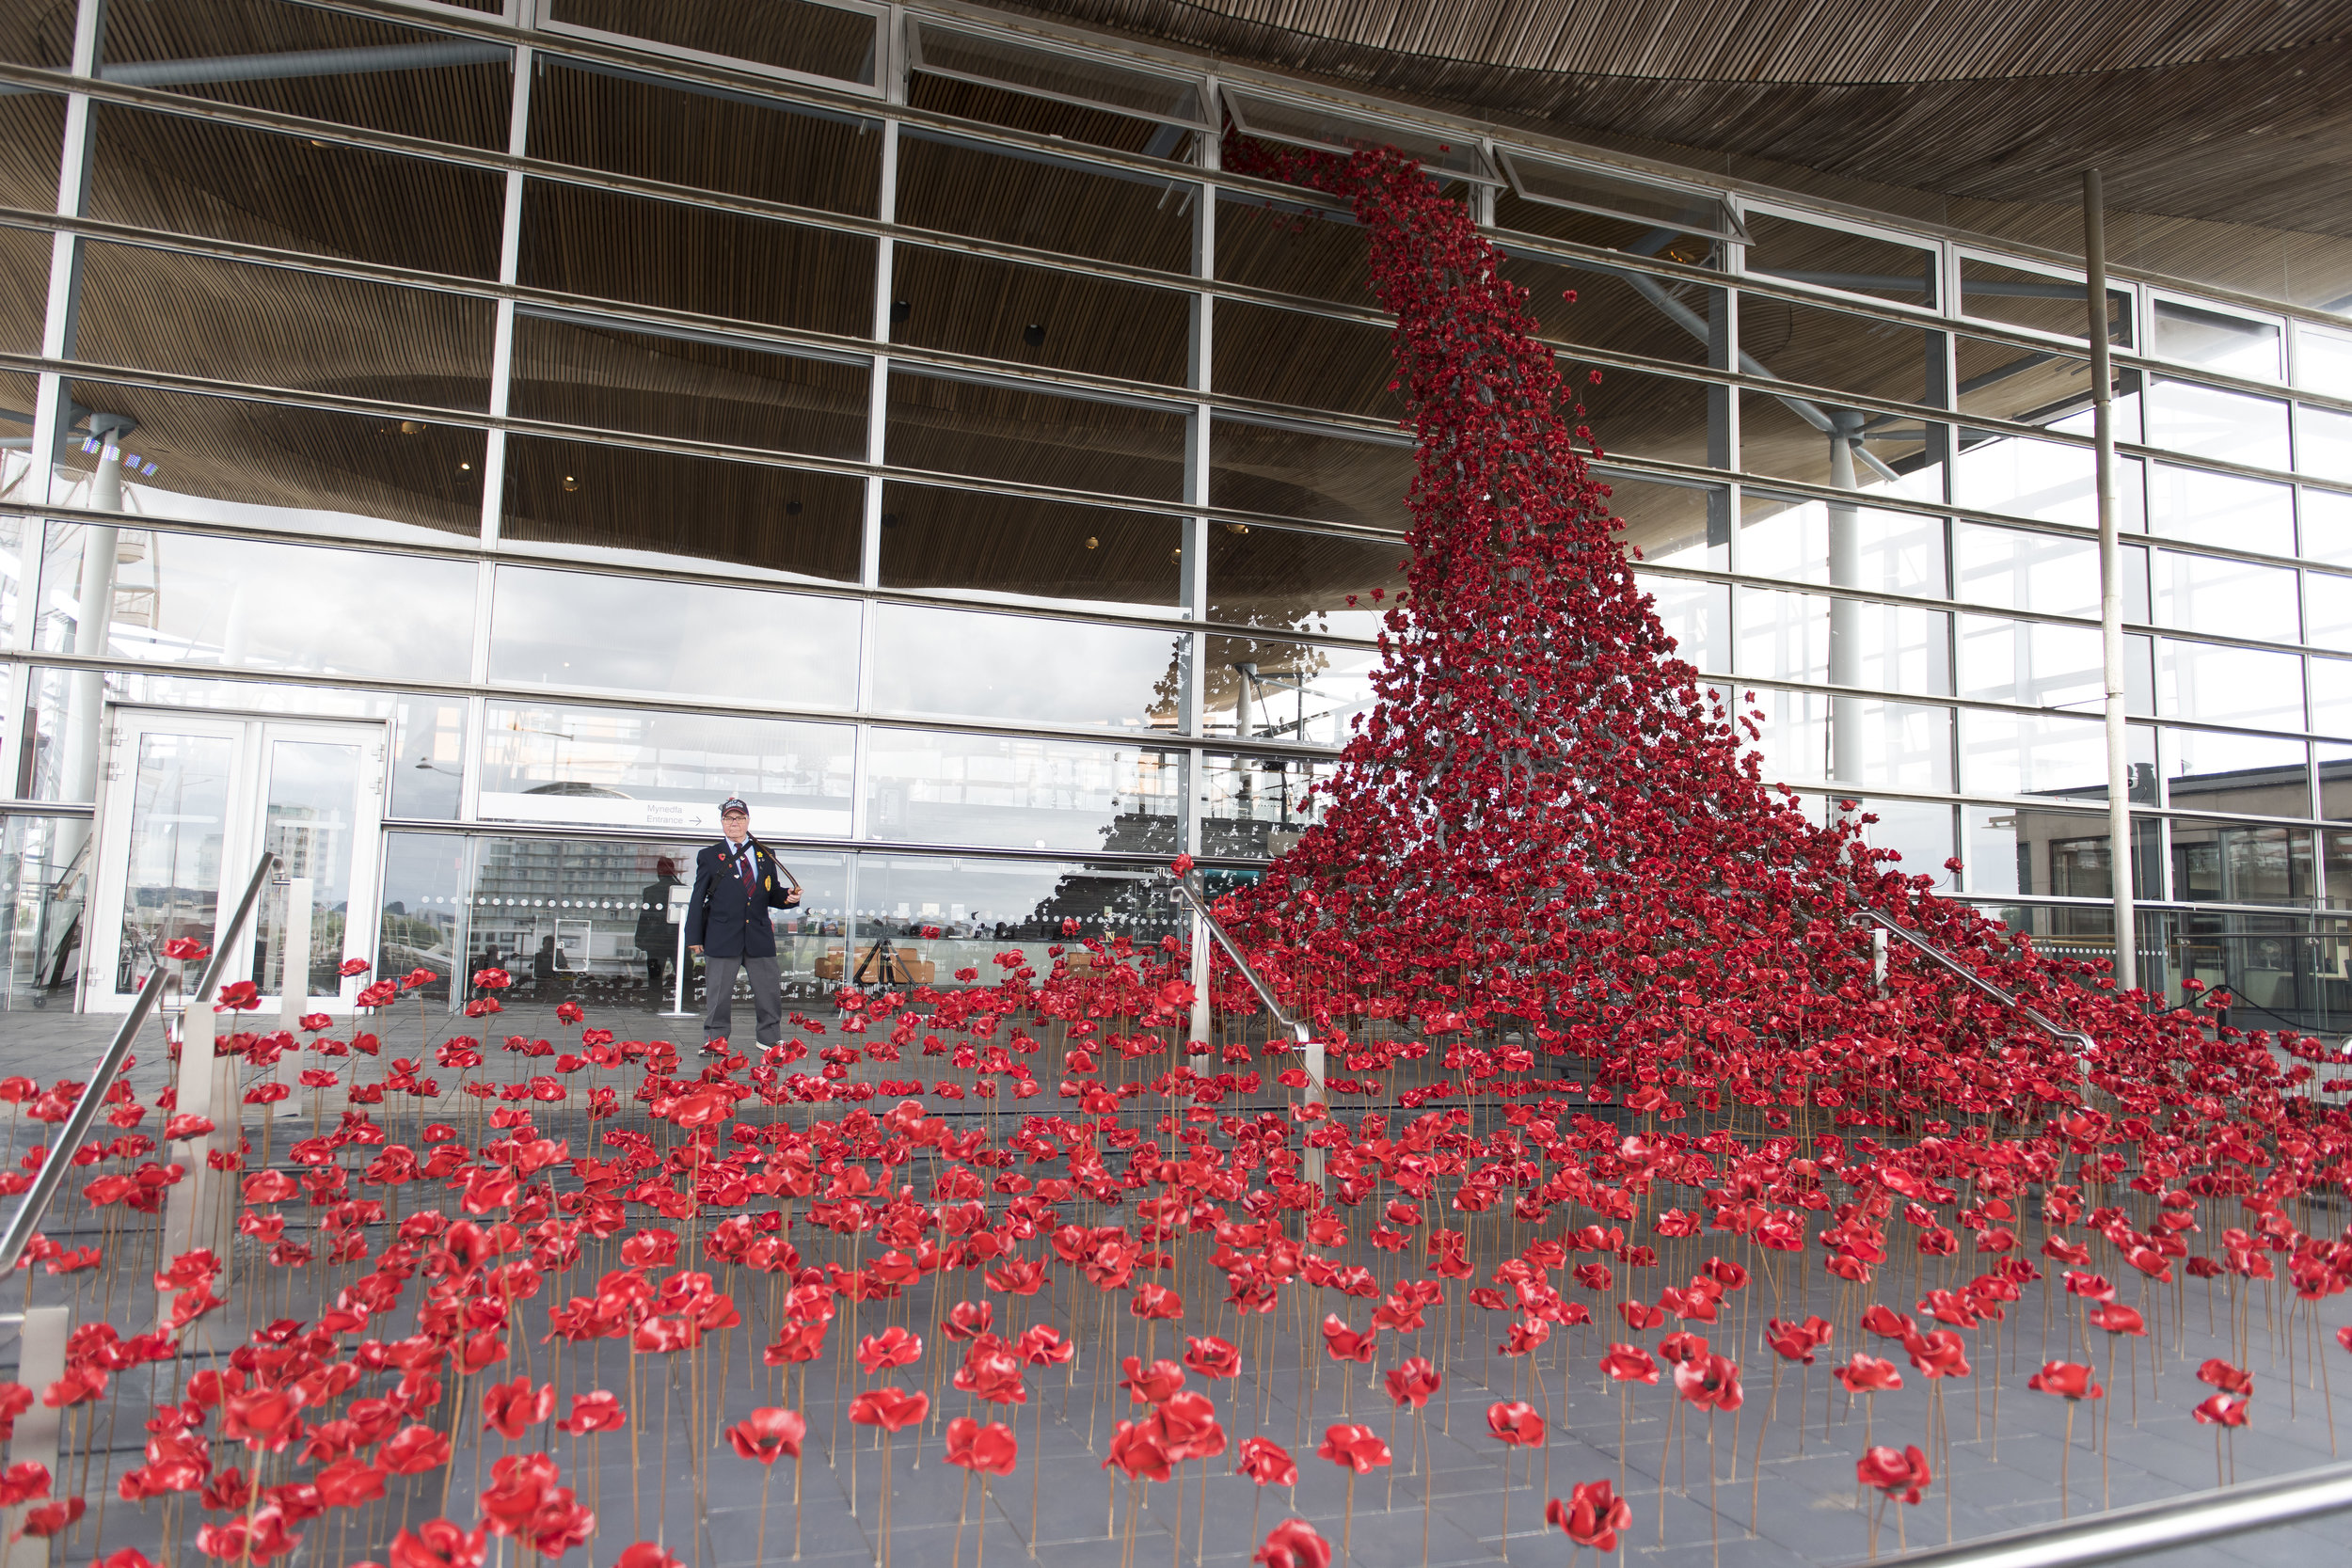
(2110, 588)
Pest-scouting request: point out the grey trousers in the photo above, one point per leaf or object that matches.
(767, 979)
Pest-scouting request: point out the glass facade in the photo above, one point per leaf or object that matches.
(908, 429)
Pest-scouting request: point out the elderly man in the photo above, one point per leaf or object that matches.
(737, 886)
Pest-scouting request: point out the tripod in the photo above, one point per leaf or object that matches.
(884, 953)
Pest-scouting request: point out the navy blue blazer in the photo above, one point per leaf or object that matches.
(723, 918)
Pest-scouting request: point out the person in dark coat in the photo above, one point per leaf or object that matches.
(655, 937)
(729, 921)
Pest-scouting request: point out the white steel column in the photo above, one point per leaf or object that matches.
(2110, 587)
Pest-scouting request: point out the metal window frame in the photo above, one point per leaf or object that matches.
(1238, 97)
(1730, 230)
(878, 14)
(915, 21)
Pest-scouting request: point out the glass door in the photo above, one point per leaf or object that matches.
(190, 802)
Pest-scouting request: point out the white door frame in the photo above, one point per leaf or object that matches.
(252, 735)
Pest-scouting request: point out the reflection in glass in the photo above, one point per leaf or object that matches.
(2057, 854)
(628, 767)
(641, 634)
(2052, 481)
(982, 907)
(974, 664)
(2240, 863)
(1891, 552)
(43, 865)
(1039, 316)
(2333, 764)
(1291, 472)
(1302, 361)
(275, 327)
(666, 505)
(2328, 611)
(2223, 598)
(2221, 509)
(673, 256)
(1696, 613)
(983, 545)
(2331, 696)
(606, 376)
(1035, 199)
(2046, 753)
(224, 182)
(1919, 831)
(428, 757)
(1837, 259)
(2229, 686)
(2327, 526)
(276, 467)
(1287, 579)
(928, 787)
(684, 133)
(438, 86)
(1808, 736)
(2244, 774)
(1028, 436)
(2219, 341)
(189, 599)
(311, 819)
(792, 34)
(2207, 422)
(1255, 807)
(171, 880)
(1300, 692)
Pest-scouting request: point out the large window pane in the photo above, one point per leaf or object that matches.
(792, 34)
(1823, 347)
(24, 298)
(2223, 598)
(2219, 340)
(2327, 526)
(1016, 793)
(1636, 414)
(1919, 831)
(1020, 197)
(428, 757)
(1028, 436)
(666, 504)
(2056, 573)
(2328, 611)
(2035, 754)
(42, 35)
(2221, 509)
(1292, 471)
(2045, 302)
(1896, 648)
(1810, 737)
(2207, 422)
(415, 83)
(2030, 662)
(1040, 316)
(596, 632)
(1050, 116)
(2052, 481)
(1286, 580)
(1295, 247)
(1300, 692)
(1837, 259)
(278, 327)
(676, 257)
(608, 376)
(1627, 312)
(1672, 525)
(2229, 686)
(32, 131)
(983, 545)
(1788, 438)
(2323, 360)
(2246, 774)
(974, 664)
(43, 886)
(628, 767)
(2057, 854)
(2323, 442)
(280, 466)
(1303, 361)
(684, 135)
(223, 181)
(188, 600)
(1891, 552)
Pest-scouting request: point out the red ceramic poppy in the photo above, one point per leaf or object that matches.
(1512, 1421)
(1592, 1516)
(992, 1447)
(1905, 1475)
(891, 1409)
(1211, 1356)
(2069, 1379)
(1354, 1448)
(1414, 1381)
(769, 1435)
(1266, 1462)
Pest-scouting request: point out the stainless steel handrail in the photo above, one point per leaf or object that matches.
(33, 1205)
(2076, 1037)
(2161, 1525)
(1304, 1035)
